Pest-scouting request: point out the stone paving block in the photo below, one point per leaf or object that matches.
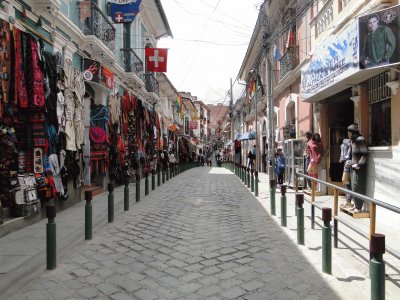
(228, 265)
(145, 295)
(252, 285)
(226, 258)
(245, 260)
(231, 282)
(176, 263)
(242, 269)
(88, 292)
(193, 259)
(162, 257)
(189, 288)
(170, 281)
(104, 272)
(233, 293)
(73, 284)
(106, 289)
(210, 262)
(190, 277)
(210, 270)
(209, 291)
(93, 279)
(166, 293)
(226, 274)
(35, 295)
(81, 272)
(122, 296)
(194, 267)
(209, 255)
(174, 271)
(149, 283)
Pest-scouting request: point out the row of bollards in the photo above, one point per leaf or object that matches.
(377, 241)
(248, 176)
(51, 237)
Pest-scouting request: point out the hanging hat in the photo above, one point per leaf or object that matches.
(353, 128)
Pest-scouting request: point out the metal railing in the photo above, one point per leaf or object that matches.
(99, 25)
(372, 210)
(132, 62)
(289, 61)
(151, 83)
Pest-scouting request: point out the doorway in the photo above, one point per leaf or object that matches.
(340, 116)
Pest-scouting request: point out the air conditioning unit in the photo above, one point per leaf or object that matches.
(149, 39)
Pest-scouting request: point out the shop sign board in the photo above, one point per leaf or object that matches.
(192, 124)
(124, 11)
(335, 59)
(379, 38)
(94, 72)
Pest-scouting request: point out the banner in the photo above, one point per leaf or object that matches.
(124, 11)
(156, 59)
(379, 38)
(192, 124)
(94, 72)
(335, 59)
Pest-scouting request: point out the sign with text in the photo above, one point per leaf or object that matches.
(193, 125)
(94, 72)
(124, 11)
(335, 59)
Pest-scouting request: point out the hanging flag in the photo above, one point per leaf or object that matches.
(124, 11)
(156, 59)
(179, 106)
(260, 85)
(252, 89)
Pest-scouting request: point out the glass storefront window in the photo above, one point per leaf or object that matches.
(381, 129)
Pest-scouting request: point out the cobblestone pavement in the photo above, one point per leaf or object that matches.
(202, 235)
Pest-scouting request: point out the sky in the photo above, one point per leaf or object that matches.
(210, 40)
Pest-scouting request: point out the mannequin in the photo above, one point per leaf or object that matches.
(315, 150)
(359, 155)
(345, 159)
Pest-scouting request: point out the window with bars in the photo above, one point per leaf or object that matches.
(379, 98)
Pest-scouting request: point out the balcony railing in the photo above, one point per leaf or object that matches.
(132, 63)
(289, 61)
(151, 83)
(97, 24)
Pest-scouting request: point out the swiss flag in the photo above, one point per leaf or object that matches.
(156, 59)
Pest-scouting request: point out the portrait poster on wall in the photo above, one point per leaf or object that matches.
(379, 38)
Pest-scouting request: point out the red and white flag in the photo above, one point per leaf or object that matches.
(156, 59)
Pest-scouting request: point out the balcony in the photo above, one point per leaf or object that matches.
(132, 63)
(96, 23)
(289, 61)
(151, 84)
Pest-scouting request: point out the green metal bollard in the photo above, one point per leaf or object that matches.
(146, 184)
(167, 174)
(377, 266)
(153, 180)
(300, 218)
(158, 176)
(248, 177)
(137, 188)
(110, 203)
(256, 184)
(51, 239)
(272, 184)
(252, 180)
(88, 215)
(126, 194)
(283, 206)
(163, 175)
(326, 240)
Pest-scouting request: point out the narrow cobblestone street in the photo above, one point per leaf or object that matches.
(200, 236)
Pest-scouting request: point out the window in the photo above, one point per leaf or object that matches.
(379, 97)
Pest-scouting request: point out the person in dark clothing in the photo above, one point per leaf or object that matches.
(279, 166)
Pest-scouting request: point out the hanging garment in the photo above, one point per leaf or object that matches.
(20, 93)
(5, 61)
(113, 108)
(35, 77)
(79, 92)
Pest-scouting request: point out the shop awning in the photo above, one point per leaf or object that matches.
(172, 127)
(250, 135)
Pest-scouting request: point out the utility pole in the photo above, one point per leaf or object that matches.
(255, 100)
(232, 123)
(271, 142)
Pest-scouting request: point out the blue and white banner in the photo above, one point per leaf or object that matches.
(124, 11)
(335, 59)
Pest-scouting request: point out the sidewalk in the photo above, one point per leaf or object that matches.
(23, 252)
(350, 261)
